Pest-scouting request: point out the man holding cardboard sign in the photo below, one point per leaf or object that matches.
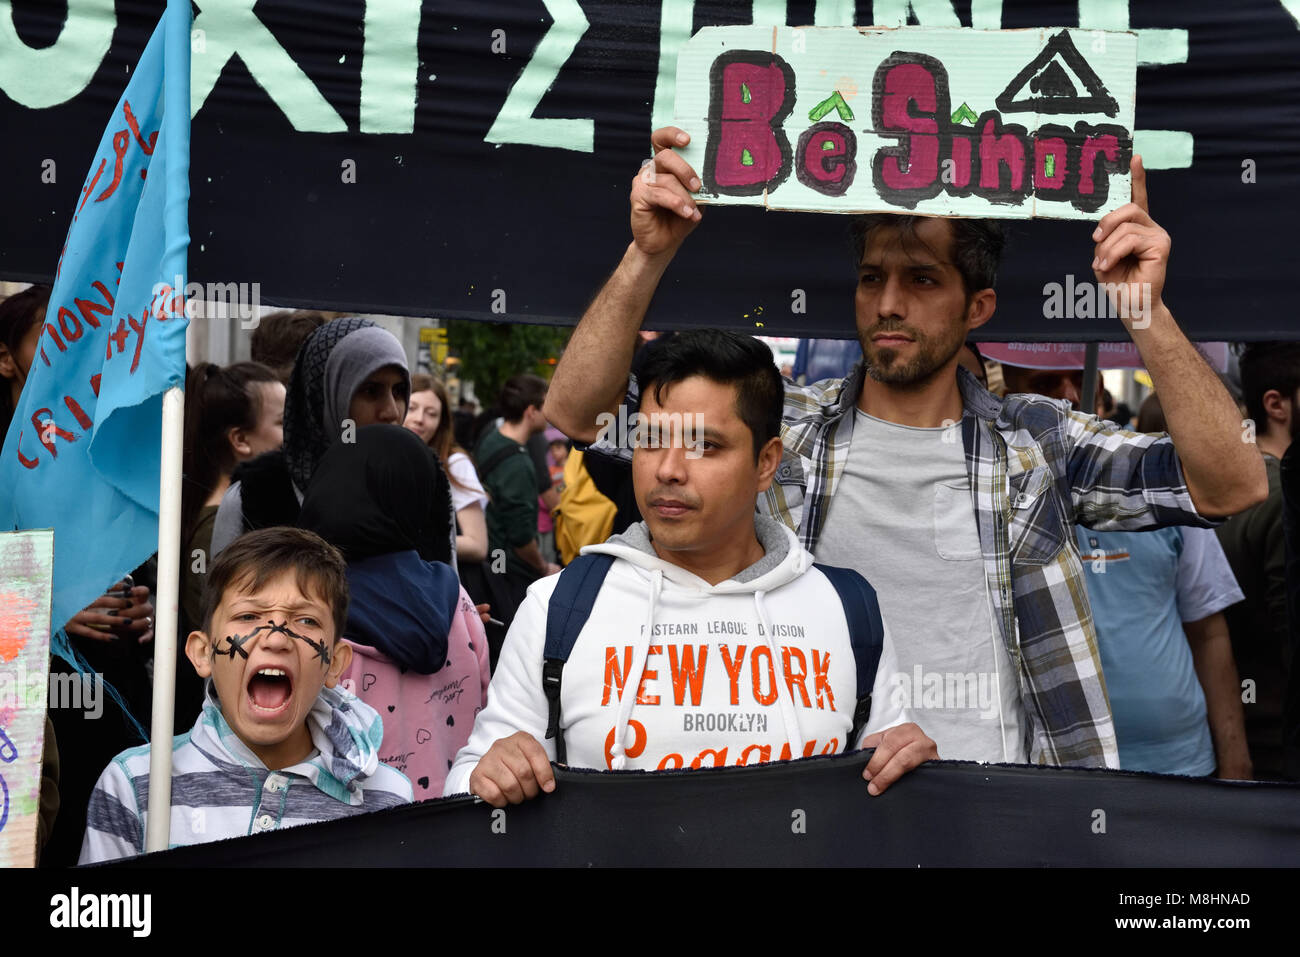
(958, 506)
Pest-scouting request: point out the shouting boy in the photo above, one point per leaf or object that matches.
(278, 742)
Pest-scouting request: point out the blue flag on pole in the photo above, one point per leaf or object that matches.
(82, 455)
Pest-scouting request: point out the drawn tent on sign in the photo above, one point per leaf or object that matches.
(1058, 80)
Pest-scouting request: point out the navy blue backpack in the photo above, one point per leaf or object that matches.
(579, 584)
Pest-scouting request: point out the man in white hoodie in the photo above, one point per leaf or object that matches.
(713, 640)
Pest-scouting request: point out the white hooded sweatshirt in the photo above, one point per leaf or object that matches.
(673, 672)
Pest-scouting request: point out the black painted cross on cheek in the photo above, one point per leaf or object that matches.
(236, 644)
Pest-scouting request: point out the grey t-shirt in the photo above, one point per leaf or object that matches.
(902, 516)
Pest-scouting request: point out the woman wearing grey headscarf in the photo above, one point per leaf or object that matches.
(349, 373)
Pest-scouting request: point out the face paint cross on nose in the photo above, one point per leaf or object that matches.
(235, 643)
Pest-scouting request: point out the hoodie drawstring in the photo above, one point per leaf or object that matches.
(633, 679)
(784, 696)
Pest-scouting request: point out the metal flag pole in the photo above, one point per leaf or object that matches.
(165, 622)
(176, 121)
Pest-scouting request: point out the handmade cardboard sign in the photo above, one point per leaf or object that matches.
(26, 586)
(1011, 124)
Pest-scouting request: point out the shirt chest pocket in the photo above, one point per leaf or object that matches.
(956, 537)
(1035, 529)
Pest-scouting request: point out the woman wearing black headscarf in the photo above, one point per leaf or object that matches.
(349, 373)
(408, 617)
(383, 494)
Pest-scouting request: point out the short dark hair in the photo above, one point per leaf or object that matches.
(278, 337)
(519, 393)
(976, 244)
(1266, 366)
(255, 558)
(727, 358)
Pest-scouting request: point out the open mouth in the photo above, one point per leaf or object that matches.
(269, 690)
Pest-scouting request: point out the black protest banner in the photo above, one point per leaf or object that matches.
(810, 812)
(472, 158)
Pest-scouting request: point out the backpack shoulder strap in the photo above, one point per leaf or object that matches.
(566, 614)
(866, 633)
(496, 459)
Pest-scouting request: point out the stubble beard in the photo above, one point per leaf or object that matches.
(884, 366)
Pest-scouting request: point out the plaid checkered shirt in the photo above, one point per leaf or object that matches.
(1036, 469)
